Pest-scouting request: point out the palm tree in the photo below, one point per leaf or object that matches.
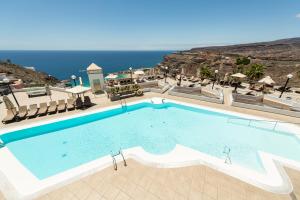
(205, 72)
(255, 71)
(240, 64)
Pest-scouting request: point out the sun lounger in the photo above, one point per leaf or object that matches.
(33, 109)
(22, 112)
(70, 104)
(78, 103)
(43, 109)
(10, 116)
(61, 106)
(52, 107)
(87, 101)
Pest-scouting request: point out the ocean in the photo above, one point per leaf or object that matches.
(63, 64)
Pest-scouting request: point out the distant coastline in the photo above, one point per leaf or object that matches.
(63, 63)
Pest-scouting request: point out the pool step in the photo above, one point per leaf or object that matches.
(114, 159)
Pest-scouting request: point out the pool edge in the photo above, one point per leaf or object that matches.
(274, 163)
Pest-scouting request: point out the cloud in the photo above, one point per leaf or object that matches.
(298, 15)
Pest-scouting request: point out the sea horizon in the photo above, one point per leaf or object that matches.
(64, 63)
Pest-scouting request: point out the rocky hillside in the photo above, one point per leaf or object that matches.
(279, 57)
(28, 76)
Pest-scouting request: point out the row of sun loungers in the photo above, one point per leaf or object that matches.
(44, 109)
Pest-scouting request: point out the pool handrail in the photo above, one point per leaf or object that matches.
(123, 103)
(261, 120)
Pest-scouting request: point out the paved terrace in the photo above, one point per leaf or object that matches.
(142, 182)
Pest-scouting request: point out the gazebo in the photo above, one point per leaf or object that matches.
(96, 79)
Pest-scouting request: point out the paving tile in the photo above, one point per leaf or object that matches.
(80, 189)
(94, 196)
(161, 191)
(210, 190)
(138, 182)
(195, 194)
(111, 192)
(122, 196)
(139, 193)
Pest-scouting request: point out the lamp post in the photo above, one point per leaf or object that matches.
(216, 72)
(73, 77)
(130, 69)
(289, 76)
(166, 74)
(6, 81)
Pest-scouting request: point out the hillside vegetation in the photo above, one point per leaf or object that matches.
(278, 58)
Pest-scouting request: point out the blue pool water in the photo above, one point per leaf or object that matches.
(49, 149)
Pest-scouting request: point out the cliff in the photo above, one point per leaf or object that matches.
(28, 76)
(279, 57)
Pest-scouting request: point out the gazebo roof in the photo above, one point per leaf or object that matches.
(93, 67)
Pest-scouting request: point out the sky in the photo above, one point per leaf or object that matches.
(143, 24)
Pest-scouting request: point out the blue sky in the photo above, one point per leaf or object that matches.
(143, 24)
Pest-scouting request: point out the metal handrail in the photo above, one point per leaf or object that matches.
(124, 161)
(162, 101)
(123, 103)
(261, 120)
(114, 161)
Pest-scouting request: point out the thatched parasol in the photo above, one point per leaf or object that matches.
(238, 75)
(267, 81)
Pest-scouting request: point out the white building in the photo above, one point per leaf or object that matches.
(96, 78)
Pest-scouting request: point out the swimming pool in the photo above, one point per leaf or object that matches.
(157, 128)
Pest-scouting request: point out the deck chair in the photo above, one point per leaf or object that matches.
(43, 109)
(22, 112)
(33, 109)
(61, 105)
(70, 104)
(78, 103)
(10, 115)
(52, 107)
(87, 101)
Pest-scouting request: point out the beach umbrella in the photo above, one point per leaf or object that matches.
(238, 75)
(111, 76)
(139, 72)
(78, 89)
(8, 104)
(267, 81)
